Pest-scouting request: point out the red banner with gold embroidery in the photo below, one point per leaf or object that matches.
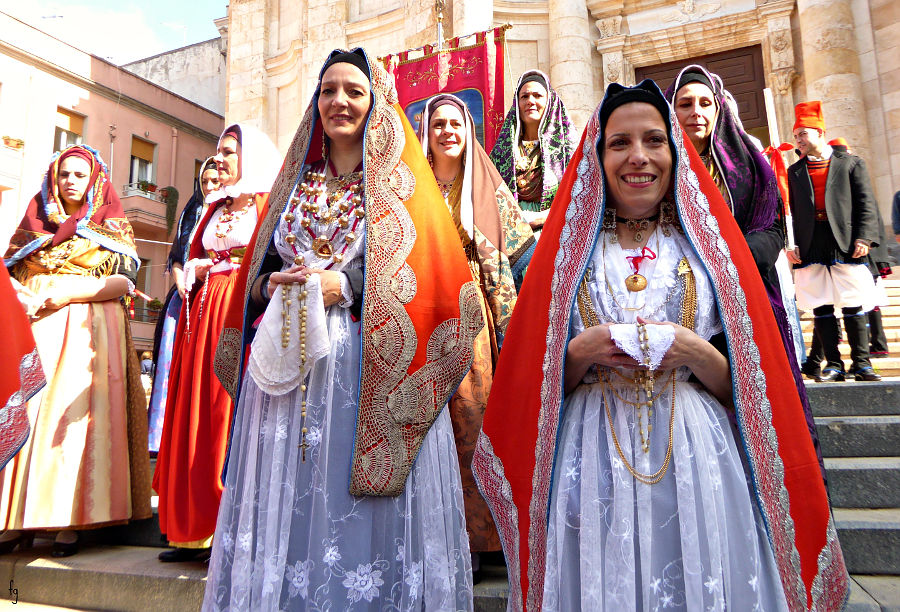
(469, 67)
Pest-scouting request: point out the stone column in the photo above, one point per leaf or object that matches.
(781, 73)
(247, 79)
(831, 68)
(616, 67)
(570, 58)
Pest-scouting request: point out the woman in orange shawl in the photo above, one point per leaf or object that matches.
(343, 488)
(85, 464)
(198, 410)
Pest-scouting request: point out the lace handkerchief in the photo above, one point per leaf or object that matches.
(274, 368)
(190, 271)
(660, 337)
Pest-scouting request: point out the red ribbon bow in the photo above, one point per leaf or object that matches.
(636, 260)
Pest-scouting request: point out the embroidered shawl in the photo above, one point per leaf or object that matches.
(100, 219)
(21, 374)
(748, 176)
(557, 142)
(514, 458)
(418, 320)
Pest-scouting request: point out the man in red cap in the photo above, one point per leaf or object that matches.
(835, 224)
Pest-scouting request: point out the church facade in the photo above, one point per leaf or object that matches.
(771, 55)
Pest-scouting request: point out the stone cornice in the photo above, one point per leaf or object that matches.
(385, 23)
(691, 39)
(287, 60)
(110, 93)
(509, 11)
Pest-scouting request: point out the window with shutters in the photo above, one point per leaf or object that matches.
(69, 129)
(142, 152)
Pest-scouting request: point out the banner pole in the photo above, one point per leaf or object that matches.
(439, 9)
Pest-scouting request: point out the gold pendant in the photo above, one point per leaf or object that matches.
(322, 247)
(635, 283)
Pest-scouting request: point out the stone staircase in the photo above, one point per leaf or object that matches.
(859, 429)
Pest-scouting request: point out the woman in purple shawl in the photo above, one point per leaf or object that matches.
(708, 115)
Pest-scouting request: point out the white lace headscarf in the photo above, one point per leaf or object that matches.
(259, 161)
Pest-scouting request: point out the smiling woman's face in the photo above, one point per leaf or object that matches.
(447, 133)
(344, 102)
(637, 159)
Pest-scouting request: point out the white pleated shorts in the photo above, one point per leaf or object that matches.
(840, 284)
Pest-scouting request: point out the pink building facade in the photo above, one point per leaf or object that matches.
(52, 95)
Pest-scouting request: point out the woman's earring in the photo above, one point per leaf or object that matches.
(667, 216)
(324, 147)
(430, 159)
(609, 222)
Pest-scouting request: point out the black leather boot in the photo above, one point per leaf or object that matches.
(878, 344)
(858, 339)
(828, 331)
(812, 367)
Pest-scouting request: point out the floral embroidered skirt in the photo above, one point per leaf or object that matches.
(693, 541)
(291, 537)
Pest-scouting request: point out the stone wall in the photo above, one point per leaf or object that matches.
(195, 72)
(844, 51)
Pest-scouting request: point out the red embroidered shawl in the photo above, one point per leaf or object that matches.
(514, 458)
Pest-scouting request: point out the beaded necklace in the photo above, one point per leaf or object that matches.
(323, 216)
(227, 219)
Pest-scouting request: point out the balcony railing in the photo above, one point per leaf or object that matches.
(145, 211)
(131, 189)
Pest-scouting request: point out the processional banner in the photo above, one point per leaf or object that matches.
(469, 67)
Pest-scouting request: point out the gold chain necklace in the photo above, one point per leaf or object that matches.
(655, 477)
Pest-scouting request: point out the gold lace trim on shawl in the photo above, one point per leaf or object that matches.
(396, 407)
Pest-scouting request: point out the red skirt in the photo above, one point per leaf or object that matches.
(197, 422)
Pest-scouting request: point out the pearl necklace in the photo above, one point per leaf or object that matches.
(342, 207)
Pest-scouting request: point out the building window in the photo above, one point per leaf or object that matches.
(69, 129)
(141, 160)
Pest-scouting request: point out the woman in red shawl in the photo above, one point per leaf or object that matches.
(21, 374)
(198, 410)
(644, 446)
(73, 255)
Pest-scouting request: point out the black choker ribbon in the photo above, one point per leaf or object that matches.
(647, 219)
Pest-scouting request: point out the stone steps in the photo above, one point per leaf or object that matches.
(864, 482)
(859, 436)
(857, 398)
(870, 539)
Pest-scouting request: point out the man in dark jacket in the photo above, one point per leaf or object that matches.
(835, 224)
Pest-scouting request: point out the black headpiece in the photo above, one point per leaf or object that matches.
(355, 57)
(536, 78)
(695, 76)
(645, 91)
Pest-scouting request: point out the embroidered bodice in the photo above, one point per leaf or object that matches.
(222, 236)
